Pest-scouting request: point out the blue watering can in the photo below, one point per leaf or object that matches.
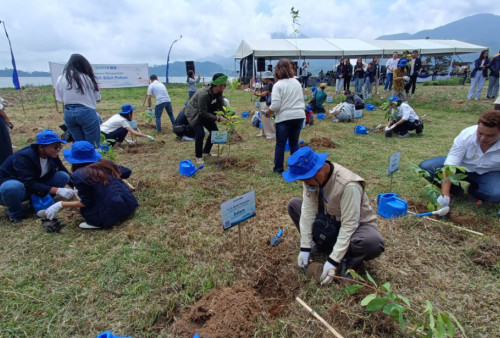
(41, 203)
(391, 206)
(360, 130)
(320, 116)
(187, 168)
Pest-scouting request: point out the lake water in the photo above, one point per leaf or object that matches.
(6, 82)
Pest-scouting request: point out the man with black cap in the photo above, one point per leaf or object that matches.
(201, 113)
(336, 196)
(35, 169)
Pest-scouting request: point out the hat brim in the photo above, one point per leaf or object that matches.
(289, 177)
(69, 157)
(50, 142)
(127, 112)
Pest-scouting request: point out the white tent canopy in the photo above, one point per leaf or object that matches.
(325, 48)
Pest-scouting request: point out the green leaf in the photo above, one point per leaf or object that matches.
(386, 287)
(355, 275)
(370, 278)
(392, 309)
(428, 307)
(401, 321)
(457, 323)
(440, 331)
(404, 300)
(352, 289)
(376, 304)
(368, 299)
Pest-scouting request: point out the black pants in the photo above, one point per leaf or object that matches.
(117, 135)
(366, 241)
(412, 84)
(406, 126)
(199, 134)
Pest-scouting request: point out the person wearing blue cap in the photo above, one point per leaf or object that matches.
(400, 76)
(104, 199)
(35, 169)
(403, 118)
(334, 214)
(118, 126)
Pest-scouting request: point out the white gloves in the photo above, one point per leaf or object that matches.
(406, 78)
(329, 271)
(443, 200)
(51, 211)
(303, 259)
(390, 128)
(151, 138)
(387, 128)
(65, 193)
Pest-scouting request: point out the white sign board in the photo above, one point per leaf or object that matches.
(394, 163)
(237, 210)
(111, 75)
(219, 137)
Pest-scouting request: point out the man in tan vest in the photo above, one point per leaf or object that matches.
(352, 235)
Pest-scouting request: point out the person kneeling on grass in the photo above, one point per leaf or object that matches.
(118, 126)
(35, 169)
(406, 119)
(104, 199)
(333, 196)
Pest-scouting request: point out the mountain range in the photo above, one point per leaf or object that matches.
(479, 29)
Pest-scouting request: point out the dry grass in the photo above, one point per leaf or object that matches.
(161, 271)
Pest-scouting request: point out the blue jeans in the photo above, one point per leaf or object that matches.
(478, 80)
(13, 193)
(492, 87)
(367, 88)
(286, 130)
(191, 93)
(159, 110)
(388, 82)
(358, 85)
(82, 123)
(485, 187)
(199, 134)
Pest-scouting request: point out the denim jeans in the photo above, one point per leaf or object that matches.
(493, 87)
(191, 93)
(13, 193)
(117, 135)
(388, 82)
(159, 111)
(485, 187)
(367, 88)
(199, 134)
(286, 130)
(358, 85)
(82, 123)
(339, 85)
(478, 80)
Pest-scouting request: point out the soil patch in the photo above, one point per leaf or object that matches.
(487, 254)
(322, 142)
(231, 162)
(235, 138)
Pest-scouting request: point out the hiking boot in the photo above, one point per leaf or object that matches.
(419, 128)
(406, 135)
(16, 220)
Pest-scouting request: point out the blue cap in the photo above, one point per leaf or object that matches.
(127, 109)
(48, 137)
(402, 63)
(393, 99)
(303, 164)
(81, 152)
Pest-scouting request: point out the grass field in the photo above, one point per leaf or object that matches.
(172, 271)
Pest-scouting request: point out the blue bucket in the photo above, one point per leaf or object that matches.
(187, 168)
(358, 113)
(320, 116)
(390, 206)
(360, 130)
(370, 106)
(244, 114)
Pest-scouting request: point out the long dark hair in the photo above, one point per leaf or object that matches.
(77, 65)
(481, 56)
(98, 172)
(190, 75)
(284, 70)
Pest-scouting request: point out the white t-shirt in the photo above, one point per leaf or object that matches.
(407, 113)
(391, 65)
(44, 164)
(70, 96)
(113, 123)
(466, 151)
(159, 91)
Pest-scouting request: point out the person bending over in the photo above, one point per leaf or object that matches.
(405, 120)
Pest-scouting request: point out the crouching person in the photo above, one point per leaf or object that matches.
(332, 195)
(104, 199)
(35, 169)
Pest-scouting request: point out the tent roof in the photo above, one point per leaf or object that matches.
(325, 48)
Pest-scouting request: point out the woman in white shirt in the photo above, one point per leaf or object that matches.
(117, 127)
(288, 106)
(406, 119)
(78, 90)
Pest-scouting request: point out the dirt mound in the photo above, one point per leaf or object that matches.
(322, 142)
(228, 312)
(487, 254)
(235, 138)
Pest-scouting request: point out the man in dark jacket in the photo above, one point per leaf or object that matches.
(35, 169)
(201, 113)
(414, 67)
(494, 71)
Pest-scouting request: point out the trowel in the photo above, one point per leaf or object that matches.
(440, 212)
(275, 240)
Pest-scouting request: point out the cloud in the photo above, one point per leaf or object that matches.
(133, 31)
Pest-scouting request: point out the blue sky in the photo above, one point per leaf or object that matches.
(141, 31)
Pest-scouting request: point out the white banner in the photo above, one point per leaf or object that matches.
(111, 75)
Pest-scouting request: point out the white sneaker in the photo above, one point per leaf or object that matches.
(335, 120)
(85, 225)
(200, 160)
(129, 141)
(185, 138)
